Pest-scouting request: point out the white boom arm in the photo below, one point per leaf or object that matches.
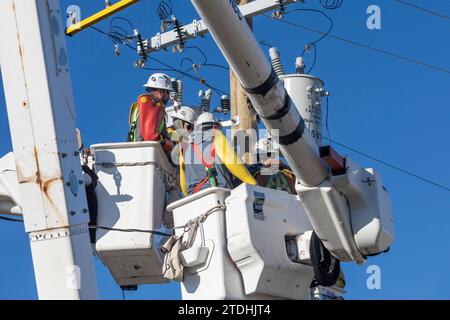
(235, 39)
(350, 212)
(41, 115)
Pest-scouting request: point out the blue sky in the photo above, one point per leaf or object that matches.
(394, 110)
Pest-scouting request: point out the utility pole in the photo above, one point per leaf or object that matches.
(240, 103)
(41, 114)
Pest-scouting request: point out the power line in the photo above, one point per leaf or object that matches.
(159, 233)
(331, 4)
(412, 174)
(266, 43)
(216, 66)
(324, 35)
(205, 58)
(313, 44)
(10, 219)
(362, 45)
(190, 76)
(434, 13)
(169, 67)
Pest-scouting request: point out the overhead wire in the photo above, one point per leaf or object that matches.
(122, 19)
(186, 59)
(362, 45)
(190, 76)
(216, 65)
(395, 167)
(313, 44)
(164, 10)
(205, 58)
(10, 219)
(198, 66)
(155, 232)
(331, 4)
(169, 67)
(434, 13)
(266, 43)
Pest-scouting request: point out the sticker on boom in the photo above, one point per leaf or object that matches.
(258, 206)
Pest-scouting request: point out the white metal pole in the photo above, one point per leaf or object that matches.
(41, 115)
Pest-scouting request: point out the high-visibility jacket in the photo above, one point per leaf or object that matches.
(195, 172)
(210, 161)
(147, 121)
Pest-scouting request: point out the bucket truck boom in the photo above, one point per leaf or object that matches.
(350, 212)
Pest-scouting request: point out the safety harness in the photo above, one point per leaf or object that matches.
(211, 174)
(133, 120)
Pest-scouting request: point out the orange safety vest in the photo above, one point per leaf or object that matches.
(148, 115)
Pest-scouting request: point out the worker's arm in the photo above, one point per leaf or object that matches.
(165, 139)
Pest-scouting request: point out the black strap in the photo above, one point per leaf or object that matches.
(132, 132)
(91, 201)
(280, 113)
(293, 136)
(266, 86)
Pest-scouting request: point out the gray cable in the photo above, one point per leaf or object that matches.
(358, 44)
(437, 14)
(391, 165)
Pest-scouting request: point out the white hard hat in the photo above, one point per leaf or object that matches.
(159, 81)
(205, 117)
(186, 114)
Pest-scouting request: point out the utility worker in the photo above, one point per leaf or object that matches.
(270, 172)
(209, 160)
(183, 124)
(283, 179)
(147, 115)
(180, 132)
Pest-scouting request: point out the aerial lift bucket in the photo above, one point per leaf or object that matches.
(134, 180)
(244, 236)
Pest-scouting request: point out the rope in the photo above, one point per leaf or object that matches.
(159, 233)
(110, 165)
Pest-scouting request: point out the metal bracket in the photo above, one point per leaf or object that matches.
(233, 122)
(158, 41)
(198, 28)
